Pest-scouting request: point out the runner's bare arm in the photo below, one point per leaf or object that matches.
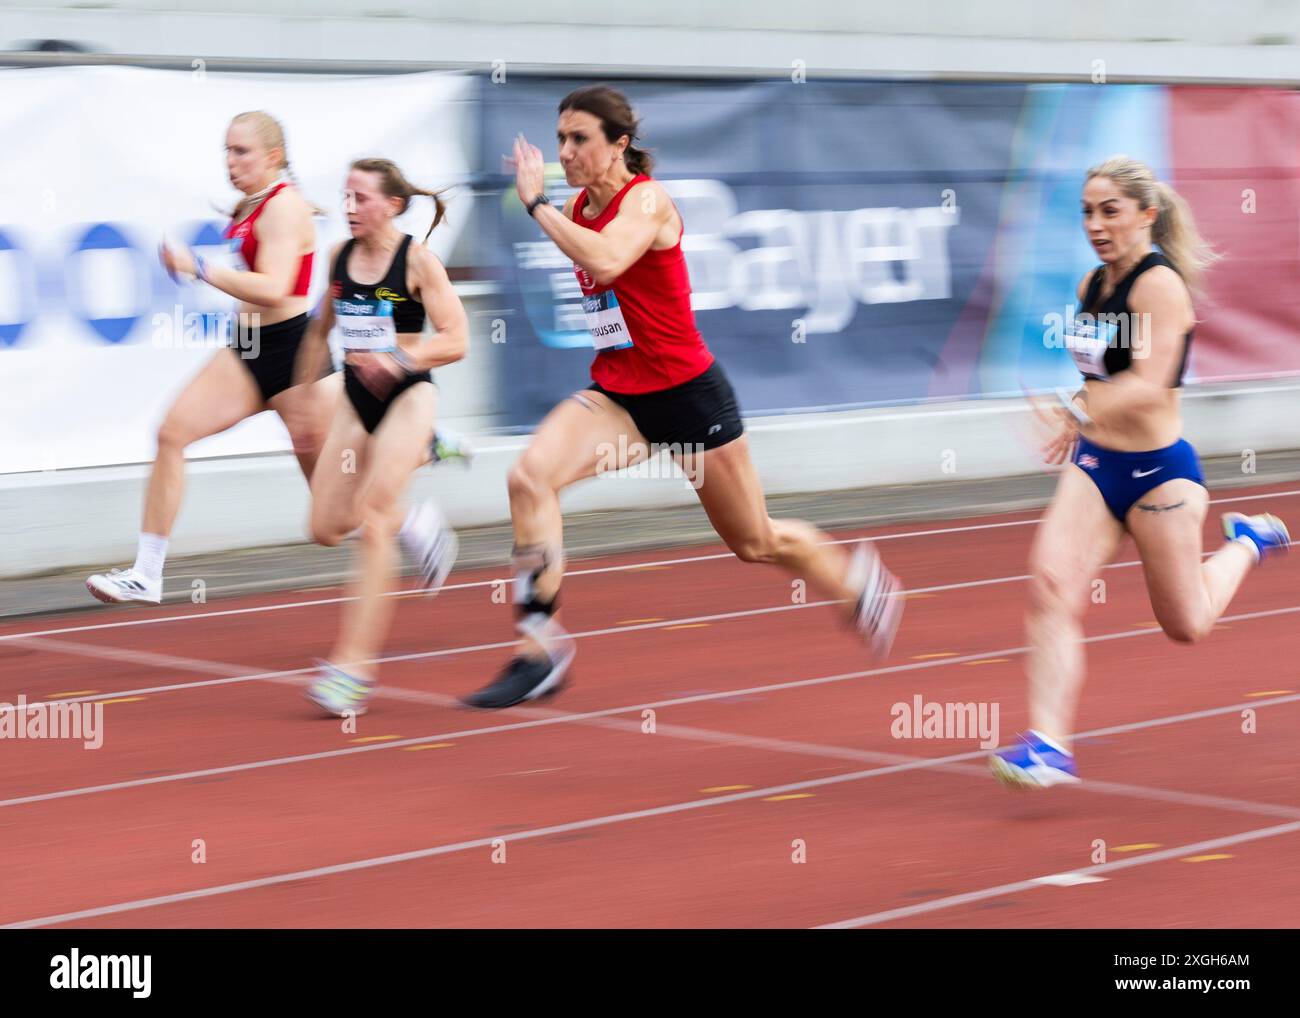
(314, 349)
(611, 252)
(271, 280)
(446, 313)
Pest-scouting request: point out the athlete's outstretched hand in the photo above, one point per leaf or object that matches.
(530, 169)
(179, 264)
(1058, 430)
(376, 371)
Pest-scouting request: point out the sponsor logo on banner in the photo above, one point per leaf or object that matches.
(823, 264)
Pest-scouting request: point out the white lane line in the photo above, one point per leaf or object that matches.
(197, 616)
(616, 818)
(657, 705)
(952, 901)
(68, 648)
(1068, 880)
(697, 734)
(732, 739)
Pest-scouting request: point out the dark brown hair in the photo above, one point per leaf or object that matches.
(394, 184)
(611, 108)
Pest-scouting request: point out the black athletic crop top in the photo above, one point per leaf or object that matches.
(1102, 338)
(361, 309)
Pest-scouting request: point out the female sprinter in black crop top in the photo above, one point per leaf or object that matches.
(386, 420)
(1130, 469)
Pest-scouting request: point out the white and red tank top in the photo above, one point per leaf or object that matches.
(244, 242)
(641, 323)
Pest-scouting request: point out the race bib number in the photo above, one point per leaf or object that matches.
(1088, 340)
(236, 260)
(605, 322)
(365, 325)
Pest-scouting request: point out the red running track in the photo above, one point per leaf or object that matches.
(771, 740)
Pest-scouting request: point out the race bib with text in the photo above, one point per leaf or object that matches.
(605, 321)
(1088, 340)
(365, 325)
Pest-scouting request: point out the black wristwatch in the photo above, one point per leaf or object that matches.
(541, 199)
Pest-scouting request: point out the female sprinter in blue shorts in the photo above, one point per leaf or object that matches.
(1130, 469)
(383, 285)
(655, 385)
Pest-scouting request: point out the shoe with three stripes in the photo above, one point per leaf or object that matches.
(880, 604)
(119, 586)
(428, 538)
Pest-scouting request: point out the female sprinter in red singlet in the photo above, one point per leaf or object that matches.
(383, 285)
(654, 382)
(1130, 470)
(272, 231)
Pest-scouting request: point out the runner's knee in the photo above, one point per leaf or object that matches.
(1182, 626)
(759, 547)
(174, 435)
(379, 521)
(1051, 590)
(525, 482)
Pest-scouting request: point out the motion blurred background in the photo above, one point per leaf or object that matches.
(881, 207)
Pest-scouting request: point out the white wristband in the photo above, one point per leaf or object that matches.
(403, 361)
(1067, 400)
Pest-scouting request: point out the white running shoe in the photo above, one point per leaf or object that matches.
(119, 586)
(880, 604)
(429, 539)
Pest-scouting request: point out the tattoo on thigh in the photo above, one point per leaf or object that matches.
(1146, 508)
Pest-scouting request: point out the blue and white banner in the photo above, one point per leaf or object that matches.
(100, 165)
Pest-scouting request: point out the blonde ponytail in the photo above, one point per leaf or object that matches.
(1174, 229)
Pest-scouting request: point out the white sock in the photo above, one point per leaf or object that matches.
(1254, 548)
(150, 557)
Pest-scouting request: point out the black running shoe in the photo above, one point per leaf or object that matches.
(524, 678)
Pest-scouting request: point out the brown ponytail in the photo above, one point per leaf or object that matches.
(611, 108)
(394, 184)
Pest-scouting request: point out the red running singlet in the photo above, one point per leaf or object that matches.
(243, 232)
(645, 337)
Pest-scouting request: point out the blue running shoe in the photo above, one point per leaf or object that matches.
(1037, 762)
(1265, 533)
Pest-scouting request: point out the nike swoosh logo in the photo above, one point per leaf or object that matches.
(1144, 473)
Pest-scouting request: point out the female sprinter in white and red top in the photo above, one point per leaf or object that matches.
(272, 230)
(654, 382)
(1130, 470)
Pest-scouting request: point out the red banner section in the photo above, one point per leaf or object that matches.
(1236, 159)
